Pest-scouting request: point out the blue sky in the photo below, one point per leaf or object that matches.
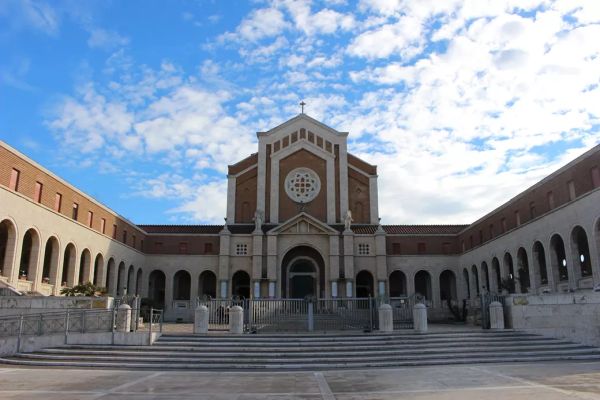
(142, 104)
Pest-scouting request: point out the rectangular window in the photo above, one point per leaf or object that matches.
(114, 233)
(364, 249)
(38, 192)
(183, 248)
(518, 217)
(158, 246)
(421, 248)
(550, 198)
(133, 241)
(503, 223)
(447, 248)
(596, 177)
(571, 187)
(396, 248)
(14, 180)
(57, 202)
(75, 212)
(241, 249)
(125, 237)
(103, 225)
(532, 210)
(90, 220)
(142, 245)
(208, 248)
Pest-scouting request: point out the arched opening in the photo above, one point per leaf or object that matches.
(51, 259)
(138, 282)
(110, 277)
(485, 276)
(467, 284)
(581, 251)
(240, 284)
(423, 284)
(98, 270)
(68, 272)
(84, 266)
(539, 263)
(8, 241)
(497, 274)
(156, 288)
(29, 255)
(364, 284)
(182, 282)
(309, 255)
(558, 259)
(303, 279)
(523, 270)
(207, 285)
(121, 279)
(508, 282)
(448, 286)
(397, 284)
(475, 279)
(130, 282)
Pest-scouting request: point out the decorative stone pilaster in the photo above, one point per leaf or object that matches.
(224, 254)
(348, 237)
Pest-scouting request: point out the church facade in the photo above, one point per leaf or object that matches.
(302, 220)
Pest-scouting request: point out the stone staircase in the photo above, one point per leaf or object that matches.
(313, 351)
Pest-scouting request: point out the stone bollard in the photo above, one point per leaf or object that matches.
(236, 320)
(420, 318)
(386, 320)
(496, 315)
(201, 320)
(123, 318)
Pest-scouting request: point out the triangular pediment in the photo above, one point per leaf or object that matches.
(306, 122)
(303, 224)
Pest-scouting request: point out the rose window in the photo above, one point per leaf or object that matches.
(302, 185)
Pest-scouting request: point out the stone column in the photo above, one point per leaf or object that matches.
(123, 318)
(386, 320)
(334, 262)
(380, 254)
(496, 316)
(420, 318)
(549, 270)
(257, 251)
(236, 320)
(169, 291)
(572, 263)
(348, 237)
(201, 320)
(436, 300)
(224, 254)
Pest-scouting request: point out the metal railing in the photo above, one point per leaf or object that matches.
(402, 311)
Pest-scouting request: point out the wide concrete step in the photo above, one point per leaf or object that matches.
(212, 366)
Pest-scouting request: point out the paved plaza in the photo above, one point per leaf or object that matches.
(565, 380)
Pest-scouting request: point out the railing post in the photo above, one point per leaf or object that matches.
(150, 327)
(20, 333)
(311, 321)
(67, 327)
(162, 318)
(114, 318)
(370, 313)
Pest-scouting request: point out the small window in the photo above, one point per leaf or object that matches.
(103, 225)
(142, 245)
(503, 224)
(114, 233)
(595, 177)
(421, 248)
(90, 220)
(550, 198)
(14, 179)
(125, 237)
(183, 248)
(571, 187)
(75, 212)
(364, 249)
(396, 248)
(133, 241)
(158, 246)
(241, 249)
(208, 248)
(57, 202)
(532, 210)
(518, 217)
(38, 192)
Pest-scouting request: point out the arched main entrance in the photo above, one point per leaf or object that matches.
(302, 273)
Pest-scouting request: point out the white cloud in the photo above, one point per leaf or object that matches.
(105, 39)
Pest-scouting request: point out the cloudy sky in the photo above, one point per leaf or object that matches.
(142, 104)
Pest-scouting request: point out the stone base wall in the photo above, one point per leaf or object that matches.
(572, 316)
(15, 305)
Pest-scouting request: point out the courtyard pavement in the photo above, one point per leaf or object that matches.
(549, 381)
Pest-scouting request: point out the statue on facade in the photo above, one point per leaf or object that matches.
(258, 219)
(348, 219)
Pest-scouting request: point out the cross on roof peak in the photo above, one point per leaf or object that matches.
(302, 104)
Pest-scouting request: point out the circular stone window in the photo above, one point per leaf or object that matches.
(302, 185)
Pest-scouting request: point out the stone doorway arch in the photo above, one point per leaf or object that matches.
(302, 273)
